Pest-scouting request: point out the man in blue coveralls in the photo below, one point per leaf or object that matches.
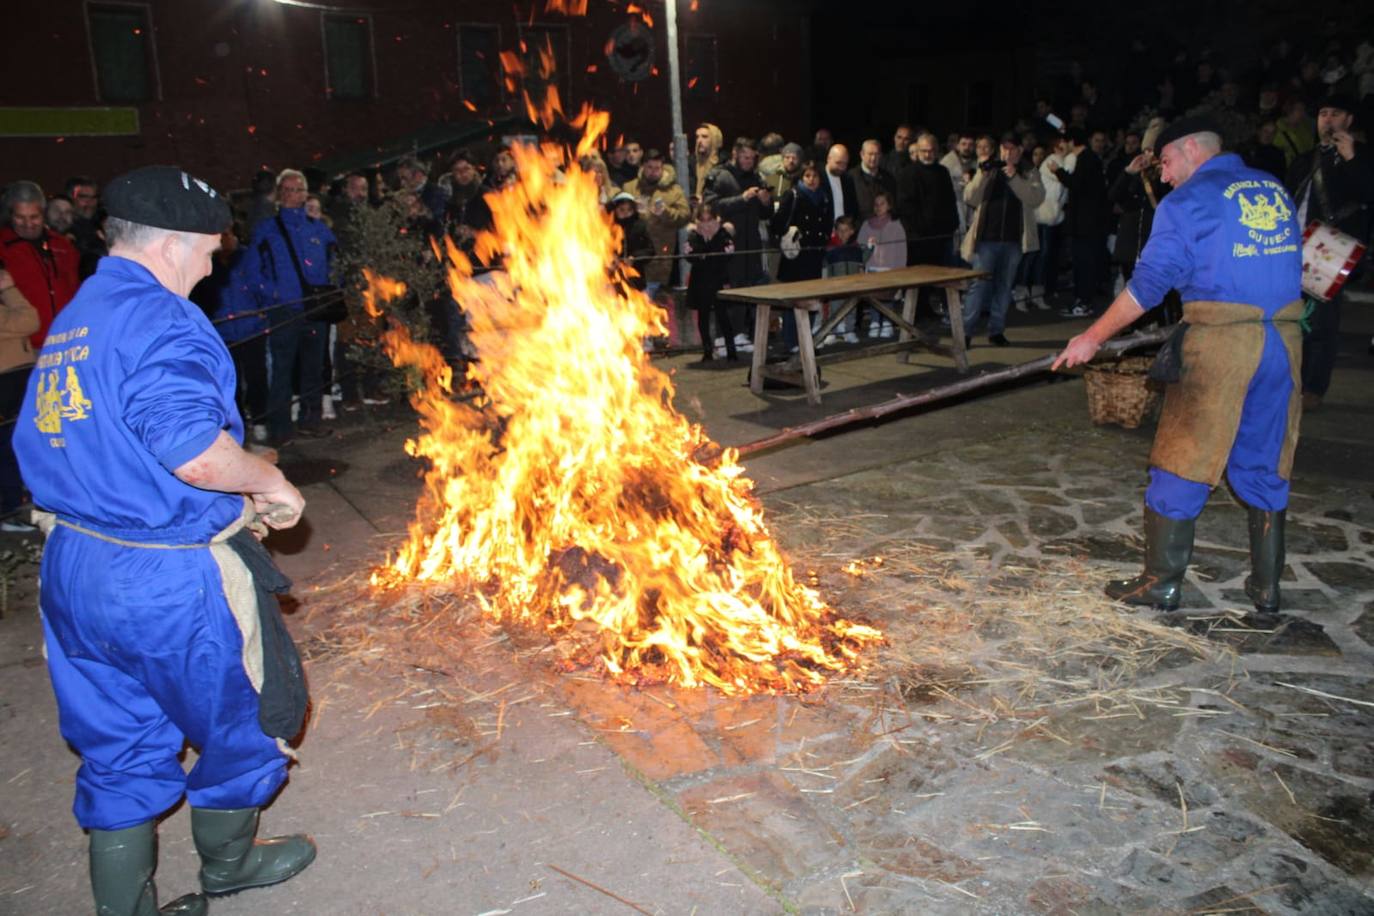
(1228, 239)
(130, 440)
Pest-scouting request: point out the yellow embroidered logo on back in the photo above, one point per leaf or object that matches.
(1263, 214)
(59, 399)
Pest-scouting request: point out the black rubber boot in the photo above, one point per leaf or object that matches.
(233, 860)
(122, 864)
(1168, 548)
(1266, 558)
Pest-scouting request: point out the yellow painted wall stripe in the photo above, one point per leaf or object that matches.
(66, 122)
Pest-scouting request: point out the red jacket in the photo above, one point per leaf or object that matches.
(45, 272)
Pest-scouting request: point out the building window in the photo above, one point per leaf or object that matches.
(699, 74)
(348, 57)
(123, 51)
(547, 38)
(479, 64)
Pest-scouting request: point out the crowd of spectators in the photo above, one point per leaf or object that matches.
(1055, 209)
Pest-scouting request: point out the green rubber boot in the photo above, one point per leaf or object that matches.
(122, 864)
(1266, 558)
(233, 860)
(1168, 548)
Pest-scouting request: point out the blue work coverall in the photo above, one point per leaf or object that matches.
(143, 650)
(1228, 240)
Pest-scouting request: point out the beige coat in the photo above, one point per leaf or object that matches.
(1027, 189)
(666, 213)
(18, 319)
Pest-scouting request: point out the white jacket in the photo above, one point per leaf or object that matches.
(1051, 212)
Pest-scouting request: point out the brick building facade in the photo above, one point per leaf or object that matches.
(225, 87)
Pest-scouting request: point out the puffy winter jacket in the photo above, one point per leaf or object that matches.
(46, 272)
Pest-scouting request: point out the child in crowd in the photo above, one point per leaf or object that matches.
(884, 237)
(707, 244)
(843, 258)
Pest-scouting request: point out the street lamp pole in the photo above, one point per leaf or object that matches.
(675, 95)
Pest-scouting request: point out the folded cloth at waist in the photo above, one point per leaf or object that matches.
(1203, 312)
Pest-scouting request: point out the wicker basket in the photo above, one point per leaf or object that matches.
(1120, 392)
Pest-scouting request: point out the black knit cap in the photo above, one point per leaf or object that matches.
(1184, 127)
(165, 197)
(1340, 100)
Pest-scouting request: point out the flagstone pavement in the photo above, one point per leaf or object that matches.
(469, 774)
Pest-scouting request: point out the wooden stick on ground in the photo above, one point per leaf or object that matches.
(596, 887)
(943, 392)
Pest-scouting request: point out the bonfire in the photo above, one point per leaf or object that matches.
(571, 495)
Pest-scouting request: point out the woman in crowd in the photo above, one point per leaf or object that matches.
(802, 224)
(707, 248)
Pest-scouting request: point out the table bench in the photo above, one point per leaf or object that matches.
(807, 296)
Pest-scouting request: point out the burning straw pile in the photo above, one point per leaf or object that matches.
(573, 498)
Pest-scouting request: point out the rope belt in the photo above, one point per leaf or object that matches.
(46, 521)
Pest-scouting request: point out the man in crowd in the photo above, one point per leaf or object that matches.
(960, 162)
(414, 177)
(634, 155)
(1294, 133)
(59, 215)
(1232, 407)
(1335, 185)
(742, 199)
(85, 229)
(789, 170)
(869, 177)
(770, 155)
(706, 158)
(1003, 194)
(899, 157)
(821, 144)
(467, 212)
(1086, 222)
(501, 172)
(618, 165)
(927, 209)
(133, 447)
(664, 207)
(844, 198)
(43, 264)
(290, 256)
(347, 205)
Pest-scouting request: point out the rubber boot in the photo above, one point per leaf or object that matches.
(122, 864)
(1266, 558)
(233, 860)
(1168, 548)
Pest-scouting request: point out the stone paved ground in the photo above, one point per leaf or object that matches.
(1020, 746)
(1243, 789)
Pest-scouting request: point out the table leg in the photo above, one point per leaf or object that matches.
(834, 320)
(807, 347)
(955, 308)
(762, 313)
(908, 316)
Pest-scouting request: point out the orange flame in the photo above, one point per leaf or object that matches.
(573, 495)
(569, 7)
(635, 10)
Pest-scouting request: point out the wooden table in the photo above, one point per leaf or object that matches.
(807, 296)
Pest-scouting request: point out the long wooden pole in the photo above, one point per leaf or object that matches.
(944, 392)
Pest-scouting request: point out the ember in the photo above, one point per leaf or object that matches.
(574, 496)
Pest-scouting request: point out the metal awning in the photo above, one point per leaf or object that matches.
(431, 137)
